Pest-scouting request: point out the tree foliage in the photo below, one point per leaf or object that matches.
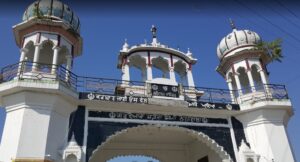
(273, 49)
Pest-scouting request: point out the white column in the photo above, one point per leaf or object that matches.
(36, 57)
(238, 84)
(149, 72)
(125, 71)
(263, 77)
(55, 59)
(68, 66)
(229, 82)
(251, 80)
(265, 82)
(172, 74)
(190, 78)
(144, 74)
(23, 51)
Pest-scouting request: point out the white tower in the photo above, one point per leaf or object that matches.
(35, 93)
(265, 107)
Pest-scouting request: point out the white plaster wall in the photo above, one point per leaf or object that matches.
(254, 62)
(266, 134)
(66, 43)
(239, 64)
(47, 36)
(199, 150)
(28, 38)
(36, 126)
(11, 134)
(33, 133)
(58, 128)
(57, 135)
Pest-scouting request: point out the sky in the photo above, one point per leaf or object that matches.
(198, 25)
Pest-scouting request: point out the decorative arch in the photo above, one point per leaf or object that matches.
(256, 76)
(46, 52)
(71, 158)
(31, 49)
(230, 77)
(160, 67)
(199, 136)
(137, 66)
(63, 52)
(180, 72)
(154, 159)
(244, 80)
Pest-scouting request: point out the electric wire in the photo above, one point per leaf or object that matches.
(283, 16)
(289, 10)
(267, 20)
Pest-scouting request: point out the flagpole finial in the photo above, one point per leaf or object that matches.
(232, 24)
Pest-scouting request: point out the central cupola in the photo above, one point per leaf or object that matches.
(158, 63)
(160, 66)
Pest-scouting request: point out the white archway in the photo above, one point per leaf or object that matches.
(165, 143)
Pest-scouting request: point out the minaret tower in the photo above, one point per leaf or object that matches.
(38, 97)
(265, 107)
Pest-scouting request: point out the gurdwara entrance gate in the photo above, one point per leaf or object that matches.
(54, 115)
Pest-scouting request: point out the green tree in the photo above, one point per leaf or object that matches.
(273, 49)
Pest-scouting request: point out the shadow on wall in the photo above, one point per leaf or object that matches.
(2, 120)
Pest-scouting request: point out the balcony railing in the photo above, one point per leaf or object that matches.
(46, 72)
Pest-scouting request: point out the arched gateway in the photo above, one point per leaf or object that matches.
(165, 143)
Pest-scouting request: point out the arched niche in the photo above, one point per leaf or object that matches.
(231, 78)
(250, 160)
(133, 158)
(71, 158)
(137, 66)
(30, 53)
(46, 52)
(180, 72)
(244, 80)
(256, 77)
(62, 54)
(160, 68)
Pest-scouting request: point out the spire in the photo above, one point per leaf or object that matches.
(232, 24)
(154, 37)
(125, 46)
(189, 53)
(153, 30)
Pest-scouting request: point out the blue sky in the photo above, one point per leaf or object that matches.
(196, 25)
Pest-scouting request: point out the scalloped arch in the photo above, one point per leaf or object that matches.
(194, 134)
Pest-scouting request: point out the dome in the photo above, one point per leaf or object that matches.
(237, 40)
(55, 10)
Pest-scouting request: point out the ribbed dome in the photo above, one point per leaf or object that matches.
(53, 9)
(238, 39)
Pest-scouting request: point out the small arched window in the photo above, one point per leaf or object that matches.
(71, 158)
(250, 160)
(256, 77)
(180, 72)
(244, 80)
(138, 68)
(160, 68)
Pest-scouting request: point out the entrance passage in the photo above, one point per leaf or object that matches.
(164, 143)
(133, 158)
